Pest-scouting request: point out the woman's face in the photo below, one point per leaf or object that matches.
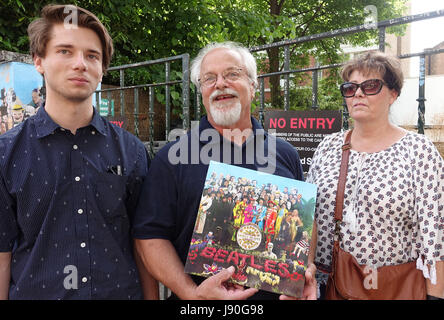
(373, 107)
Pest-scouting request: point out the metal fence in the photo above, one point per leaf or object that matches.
(185, 81)
(380, 26)
(188, 92)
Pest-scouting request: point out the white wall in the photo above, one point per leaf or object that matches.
(405, 109)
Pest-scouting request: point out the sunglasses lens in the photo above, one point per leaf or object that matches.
(348, 89)
(368, 87)
(371, 87)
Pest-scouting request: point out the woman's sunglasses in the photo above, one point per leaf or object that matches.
(369, 87)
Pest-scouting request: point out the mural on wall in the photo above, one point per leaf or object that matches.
(20, 93)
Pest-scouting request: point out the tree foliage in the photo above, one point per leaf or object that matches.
(262, 22)
(152, 29)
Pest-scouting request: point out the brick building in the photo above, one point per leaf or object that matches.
(435, 62)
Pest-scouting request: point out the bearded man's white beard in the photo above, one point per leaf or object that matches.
(225, 113)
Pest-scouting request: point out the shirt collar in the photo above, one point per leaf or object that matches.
(46, 126)
(98, 123)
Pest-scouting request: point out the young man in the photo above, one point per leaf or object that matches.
(226, 76)
(68, 178)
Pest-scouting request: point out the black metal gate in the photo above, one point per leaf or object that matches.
(381, 26)
(185, 82)
(286, 72)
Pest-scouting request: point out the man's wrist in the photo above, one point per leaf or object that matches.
(188, 292)
(313, 266)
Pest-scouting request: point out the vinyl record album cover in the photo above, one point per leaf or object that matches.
(257, 222)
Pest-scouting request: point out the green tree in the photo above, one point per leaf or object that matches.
(151, 29)
(259, 22)
(141, 30)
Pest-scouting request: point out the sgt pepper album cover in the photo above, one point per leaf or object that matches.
(257, 222)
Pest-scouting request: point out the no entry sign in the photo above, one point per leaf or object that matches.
(304, 129)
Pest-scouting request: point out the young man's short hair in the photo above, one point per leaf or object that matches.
(39, 31)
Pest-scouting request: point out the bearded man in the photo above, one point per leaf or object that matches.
(226, 75)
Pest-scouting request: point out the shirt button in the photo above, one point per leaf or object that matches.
(80, 211)
(77, 178)
(84, 279)
(83, 244)
(93, 132)
(75, 147)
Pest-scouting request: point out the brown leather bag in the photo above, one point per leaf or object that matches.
(349, 280)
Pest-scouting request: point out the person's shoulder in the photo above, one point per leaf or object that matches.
(335, 137)
(332, 141)
(126, 136)
(180, 145)
(281, 142)
(417, 138)
(418, 144)
(286, 153)
(12, 134)
(282, 146)
(9, 142)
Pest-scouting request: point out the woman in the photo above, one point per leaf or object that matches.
(248, 213)
(281, 212)
(394, 192)
(205, 204)
(296, 224)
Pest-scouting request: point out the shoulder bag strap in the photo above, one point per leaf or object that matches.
(342, 177)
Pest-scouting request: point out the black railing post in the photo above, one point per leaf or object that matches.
(108, 96)
(122, 93)
(345, 115)
(136, 112)
(287, 78)
(98, 94)
(197, 109)
(167, 101)
(186, 90)
(262, 100)
(151, 117)
(381, 38)
(314, 88)
(421, 99)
